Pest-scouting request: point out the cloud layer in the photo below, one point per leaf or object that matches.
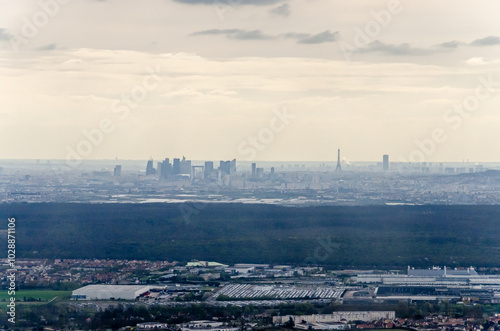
(283, 10)
(235, 96)
(407, 49)
(225, 65)
(5, 35)
(302, 38)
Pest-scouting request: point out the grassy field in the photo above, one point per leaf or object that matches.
(36, 295)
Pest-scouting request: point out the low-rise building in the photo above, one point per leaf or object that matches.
(207, 326)
(338, 316)
(109, 292)
(152, 325)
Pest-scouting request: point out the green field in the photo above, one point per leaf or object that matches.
(36, 295)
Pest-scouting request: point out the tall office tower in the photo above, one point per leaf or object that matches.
(259, 172)
(272, 170)
(166, 169)
(209, 169)
(158, 168)
(185, 166)
(339, 167)
(150, 170)
(386, 162)
(177, 166)
(232, 167)
(254, 171)
(117, 172)
(225, 168)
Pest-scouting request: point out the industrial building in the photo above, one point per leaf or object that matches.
(436, 284)
(279, 292)
(207, 326)
(434, 277)
(109, 292)
(205, 264)
(338, 316)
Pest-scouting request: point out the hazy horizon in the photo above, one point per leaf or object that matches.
(241, 163)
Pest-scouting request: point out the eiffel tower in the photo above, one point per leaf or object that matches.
(339, 167)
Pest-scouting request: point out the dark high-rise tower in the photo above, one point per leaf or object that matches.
(166, 169)
(149, 168)
(386, 162)
(177, 166)
(339, 167)
(117, 172)
(185, 166)
(209, 169)
(225, 168)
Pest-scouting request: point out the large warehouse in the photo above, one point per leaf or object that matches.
(108, 292)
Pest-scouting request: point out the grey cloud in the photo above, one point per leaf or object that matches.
(308, 38)
(5, 35)
(49, 47)
(296, 35)
(302, 38)
(231, 3)
(215, 31)
(283, 10)
(401, 49)
(250, 35)
(323, 37)
(239, 34)
(487, 41)
(450, 44)
(407, 49)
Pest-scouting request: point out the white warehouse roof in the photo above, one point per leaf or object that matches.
(106, 292)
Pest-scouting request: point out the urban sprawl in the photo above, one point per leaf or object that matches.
(285, 183)
(103, 285)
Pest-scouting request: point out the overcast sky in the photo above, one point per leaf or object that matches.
(418, 80)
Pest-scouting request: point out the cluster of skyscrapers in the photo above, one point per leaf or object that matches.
(180, 168)
(259, 172)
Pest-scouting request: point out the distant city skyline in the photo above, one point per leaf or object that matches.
(266, 80)
(181, 180)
